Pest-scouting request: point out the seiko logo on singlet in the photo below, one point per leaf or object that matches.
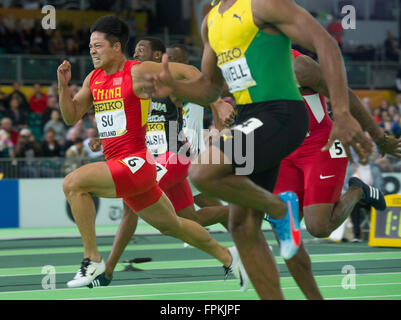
(109, 105)
(228, 56)
(110, 118)
(155, 126)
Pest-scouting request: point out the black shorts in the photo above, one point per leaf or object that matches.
(263, 134)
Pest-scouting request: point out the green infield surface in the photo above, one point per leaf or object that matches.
(36, 264)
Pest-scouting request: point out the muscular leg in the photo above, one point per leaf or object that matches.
(219, 180)
(211, 215)
(322, 219)
(202, 201)
(91, 179)
(300, 267)
(161, 215)
(258, 260)
(124, 234)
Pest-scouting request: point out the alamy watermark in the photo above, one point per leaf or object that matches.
(349, 280)
(49, 280)
(349, 20)
(49, 20)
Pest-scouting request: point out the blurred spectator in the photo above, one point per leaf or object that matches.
(83, 36)
(52, 104)
(7, 149)
(73, 89)
(396, 129)
(57, 125)
(3, 102)
(92, 133)
(384, 105)
(391, 47)
(7, 125)
(40, 40)
(15, 113)
(398, 103)
(72, 48)
(38, 101)
(50, 147)
(376, 113)
(76, 156)
(367, 102)
(79, 129)
(70, 139)
(56, 43)
(28, 148)
(336, 30)
(53, 90)
(24, 105)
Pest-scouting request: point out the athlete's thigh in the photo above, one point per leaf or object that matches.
(180, 195)
(212, 162)
(324, 177)
(94, 178)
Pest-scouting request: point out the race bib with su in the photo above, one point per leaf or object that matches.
(237, 75)
(156, 138)
(110, 118)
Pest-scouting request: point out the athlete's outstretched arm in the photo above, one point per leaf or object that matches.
(72, 108)
(301, 27)
(202, 90)
(145, 85)
(309, 75)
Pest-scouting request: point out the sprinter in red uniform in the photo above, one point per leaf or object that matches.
(116, 90)
(318, 177)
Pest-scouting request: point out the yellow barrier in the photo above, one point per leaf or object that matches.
(385, 226)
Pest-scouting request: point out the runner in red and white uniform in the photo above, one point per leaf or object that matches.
(172, 169)
(116, 89)
(317, 177)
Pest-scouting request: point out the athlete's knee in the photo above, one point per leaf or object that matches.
(318, 230)
(243, 228)
(71, 184)
(199, 177)
(170, 229)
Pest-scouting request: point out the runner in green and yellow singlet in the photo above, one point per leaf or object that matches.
(247, 45)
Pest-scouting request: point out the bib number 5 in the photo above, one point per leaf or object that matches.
(337, 150)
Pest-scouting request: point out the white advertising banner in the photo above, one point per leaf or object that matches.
(42, 204)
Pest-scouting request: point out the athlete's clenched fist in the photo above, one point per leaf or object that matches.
(64, 73)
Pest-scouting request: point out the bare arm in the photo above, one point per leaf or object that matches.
(203, 89)
(301, 27)
(309, 75)
(72, 109)
(141, 73)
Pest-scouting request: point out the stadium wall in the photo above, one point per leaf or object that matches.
(26, 203)
(41, 203)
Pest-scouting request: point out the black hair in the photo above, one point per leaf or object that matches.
(155, 43)
(115, 29)
(182, 47)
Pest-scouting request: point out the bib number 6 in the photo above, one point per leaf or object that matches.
(134, 163)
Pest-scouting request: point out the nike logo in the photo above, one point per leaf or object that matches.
(326, 177)
(97, 82)
(295, 233)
